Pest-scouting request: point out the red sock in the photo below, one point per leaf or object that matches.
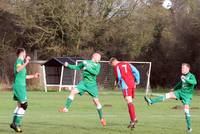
(131, 109)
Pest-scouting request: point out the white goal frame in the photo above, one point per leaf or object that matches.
(60, 85)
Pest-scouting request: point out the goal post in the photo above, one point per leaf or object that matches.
(106, 78)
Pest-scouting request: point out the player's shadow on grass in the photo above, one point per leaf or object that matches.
(6, 131)
(56, 125)
(181, 107)
(6, 128)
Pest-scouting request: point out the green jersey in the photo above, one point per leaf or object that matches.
(187, 85)
(19, 77)
(90, 70)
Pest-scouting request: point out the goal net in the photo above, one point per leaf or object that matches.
(106, 79)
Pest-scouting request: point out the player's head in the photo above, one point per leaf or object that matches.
(21, 52)
(96, 57)
(113, 61)
(185, 68)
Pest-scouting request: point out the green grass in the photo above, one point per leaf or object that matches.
(42, 116)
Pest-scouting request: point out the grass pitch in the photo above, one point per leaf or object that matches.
(42, 116)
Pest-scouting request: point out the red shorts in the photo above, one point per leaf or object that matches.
(129, 92)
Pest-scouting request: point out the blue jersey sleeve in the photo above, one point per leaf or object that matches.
(136, 74)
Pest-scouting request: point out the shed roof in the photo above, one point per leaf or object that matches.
(59, 61)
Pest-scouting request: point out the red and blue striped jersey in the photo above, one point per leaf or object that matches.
(126, 75)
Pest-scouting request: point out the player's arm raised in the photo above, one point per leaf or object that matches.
(21, 66)
(192, 80)
(74, 67)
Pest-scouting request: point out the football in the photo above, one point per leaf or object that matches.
(167, 4)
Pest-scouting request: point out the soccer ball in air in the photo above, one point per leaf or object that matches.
(167, 4)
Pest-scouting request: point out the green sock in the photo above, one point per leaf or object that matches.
(100, 113)
(188, 121)
(158, 99)
(68, 103)
(15, 114)
(17, 120)
(18, 114)
(14, 118)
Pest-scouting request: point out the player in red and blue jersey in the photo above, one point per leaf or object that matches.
(127, 77)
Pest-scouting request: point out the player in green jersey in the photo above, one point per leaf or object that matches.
(19, 88)
(182, 91)
(91, 69)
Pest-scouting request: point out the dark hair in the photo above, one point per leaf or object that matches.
(111, 60)
(186, 64)
(19, 50)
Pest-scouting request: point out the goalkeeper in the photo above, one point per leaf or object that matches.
(91, 69)
(182, 91)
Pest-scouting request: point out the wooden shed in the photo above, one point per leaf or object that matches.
(56, 75)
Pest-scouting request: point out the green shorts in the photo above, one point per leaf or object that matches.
(20, 94)
(90, 88)
(184, 97)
